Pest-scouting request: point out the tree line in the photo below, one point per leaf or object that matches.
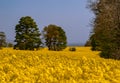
(106, 28)
(105, 35)
(28, 36)
(3, 42)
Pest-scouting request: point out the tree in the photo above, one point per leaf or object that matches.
(27, 34)
(94, 43)
(9, 44)
(107, 27)
(55, 37)
(88, 43)
(2, 39)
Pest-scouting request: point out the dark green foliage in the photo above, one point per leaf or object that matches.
(10, 45)
(72, 49)
(88, 43)
(27, 34)
(2, 39)
(107, 28)
(55, 37)
(94, 43)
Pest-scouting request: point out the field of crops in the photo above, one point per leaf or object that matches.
(43, 66)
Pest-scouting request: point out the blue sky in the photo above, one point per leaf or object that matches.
(71, 15)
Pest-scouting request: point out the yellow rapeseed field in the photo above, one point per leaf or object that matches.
(43, 66)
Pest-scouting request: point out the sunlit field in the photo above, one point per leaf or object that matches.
(43, 66)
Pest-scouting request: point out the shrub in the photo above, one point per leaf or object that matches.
(72, 49)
